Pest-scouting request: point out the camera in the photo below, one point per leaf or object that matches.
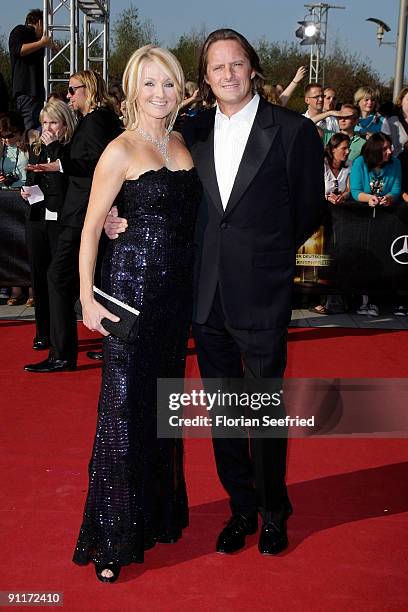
(10, 178)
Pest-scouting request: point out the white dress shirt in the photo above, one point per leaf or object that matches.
(230, 139)
(398, 134)
(321, 124)
(332, 182)
(330, 123)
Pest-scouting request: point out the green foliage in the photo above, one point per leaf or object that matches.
(5, 66)
(344, 71)
(129, 33)
(188, 50)
(279, 63)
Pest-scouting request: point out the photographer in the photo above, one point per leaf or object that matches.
(14, 151)
(13, 162)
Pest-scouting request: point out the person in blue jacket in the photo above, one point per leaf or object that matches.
(375, 179)
(376, 175)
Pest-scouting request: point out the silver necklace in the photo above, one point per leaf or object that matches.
(161, 145)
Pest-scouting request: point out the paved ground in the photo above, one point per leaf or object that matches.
(300, 318)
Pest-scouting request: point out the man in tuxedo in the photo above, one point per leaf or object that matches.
(261, 167)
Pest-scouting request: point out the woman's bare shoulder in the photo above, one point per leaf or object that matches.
(179, 151)
(120, 148)
(178, 137)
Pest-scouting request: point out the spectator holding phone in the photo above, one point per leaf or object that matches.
(376, 180)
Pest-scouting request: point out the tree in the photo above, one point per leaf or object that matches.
(344, 71)
(5, 66)
(188, 50)
(129, 33)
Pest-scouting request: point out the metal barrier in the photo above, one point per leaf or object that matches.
(14, 268)
(355, 250)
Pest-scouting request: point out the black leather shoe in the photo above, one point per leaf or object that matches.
(273, 538)
(232, 537)
(97, 355)
(40, 343)
(51, 365)
(114, 571)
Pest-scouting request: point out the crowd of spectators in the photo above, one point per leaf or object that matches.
(365, 153)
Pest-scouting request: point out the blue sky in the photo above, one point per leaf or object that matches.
(274, 20)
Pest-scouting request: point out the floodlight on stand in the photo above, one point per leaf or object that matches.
(313, 32)
(309, 32)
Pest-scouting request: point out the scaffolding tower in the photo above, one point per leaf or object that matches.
(319, 14)
(64, 16)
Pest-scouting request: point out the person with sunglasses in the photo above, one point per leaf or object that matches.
(98, 124)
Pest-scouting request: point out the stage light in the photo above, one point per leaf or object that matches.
(309, 32)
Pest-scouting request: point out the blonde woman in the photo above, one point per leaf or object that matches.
(98, 124)
(137, 494)
(370, 121)
(43, 227)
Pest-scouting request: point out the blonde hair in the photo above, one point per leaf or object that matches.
(96, 90)
(190, 87)
(132, 76)
(363, 92)
(57, 111)
(401, 96)
(271, 95)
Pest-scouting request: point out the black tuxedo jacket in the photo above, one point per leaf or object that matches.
(52, 184)
(92, 134)
(276, 203)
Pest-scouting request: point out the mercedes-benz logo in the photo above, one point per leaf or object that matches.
(399, 250)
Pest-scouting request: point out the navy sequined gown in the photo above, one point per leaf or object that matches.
(137, 494)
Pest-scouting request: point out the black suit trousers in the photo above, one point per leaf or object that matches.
(251, 471)
(63, 285)
(42, 240)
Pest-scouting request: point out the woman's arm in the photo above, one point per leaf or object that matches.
(394, 193)
(358, 187)
(331, 113)
(109, 175)
(342, 197)
(288, 92)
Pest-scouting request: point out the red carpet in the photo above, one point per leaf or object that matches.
(349, 548)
